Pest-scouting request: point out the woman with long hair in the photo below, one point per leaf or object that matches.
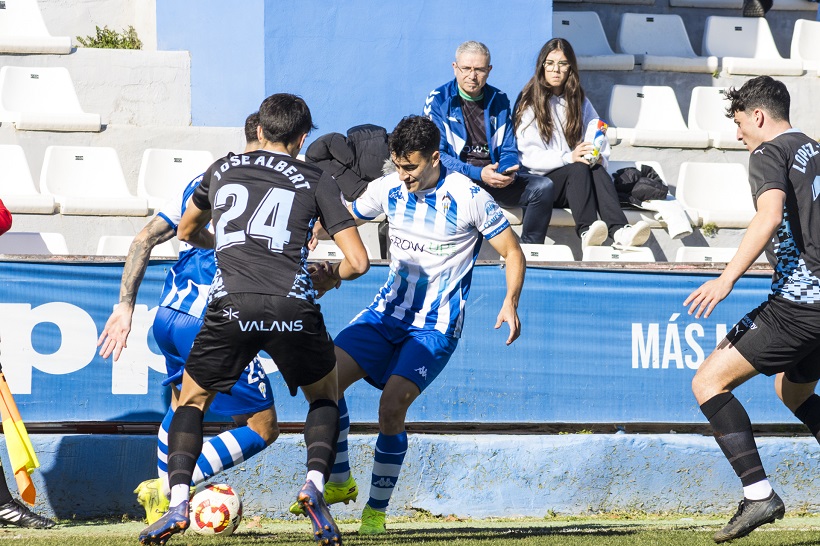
(555, 124)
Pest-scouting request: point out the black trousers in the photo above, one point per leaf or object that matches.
(587, 193)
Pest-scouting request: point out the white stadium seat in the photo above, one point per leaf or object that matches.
(547, 253)
(88, 180)
(709, 254)
(41, 244)
(806, 43)
(655, 216)
(328, 250)
(23, 31)
(17, 188)
(583, 29)
(707, 112)
(611, 254)
(514, 215)
(720, 192)
(779, 5)
(746, 46)
(118, 245)
(649, 115)
(660, 42)
(42, 99)
(164, 173)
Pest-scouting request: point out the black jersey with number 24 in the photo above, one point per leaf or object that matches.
(264, 207)
(790, 162)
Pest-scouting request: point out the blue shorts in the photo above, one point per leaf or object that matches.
(175, 332)
(383, 346)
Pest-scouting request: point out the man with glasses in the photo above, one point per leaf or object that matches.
(478, 140)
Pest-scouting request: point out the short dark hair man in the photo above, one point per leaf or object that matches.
(182, 307)
(264, 204)
(403, 340)
(782, 336)
(478, 140)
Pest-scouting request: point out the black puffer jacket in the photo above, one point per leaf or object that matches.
(354, 160)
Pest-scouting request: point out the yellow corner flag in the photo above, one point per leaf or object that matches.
(21, 452)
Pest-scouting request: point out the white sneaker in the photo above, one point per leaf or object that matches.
(632, 235)
(595, 235)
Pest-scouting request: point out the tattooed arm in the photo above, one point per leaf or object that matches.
(115, 334)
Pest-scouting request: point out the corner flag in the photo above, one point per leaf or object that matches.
(21, 452)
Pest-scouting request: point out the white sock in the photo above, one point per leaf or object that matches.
(757, 491)
(318, 479)
(179, 494)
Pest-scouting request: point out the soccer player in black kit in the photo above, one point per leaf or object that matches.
(782, 336)
(263, 205)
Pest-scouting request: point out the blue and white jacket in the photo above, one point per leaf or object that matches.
(443, 106)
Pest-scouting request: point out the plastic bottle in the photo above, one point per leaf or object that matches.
(597, 143)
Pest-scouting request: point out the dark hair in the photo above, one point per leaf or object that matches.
(537, 92)
(284, 118)
(763, 92)
(251, 123)
(414, 134)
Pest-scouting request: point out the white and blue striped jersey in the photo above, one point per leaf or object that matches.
(189, 280)
(435, 236)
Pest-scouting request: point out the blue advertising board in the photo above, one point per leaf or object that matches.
(597, 346)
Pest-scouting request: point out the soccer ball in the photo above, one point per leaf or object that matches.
(216, 510)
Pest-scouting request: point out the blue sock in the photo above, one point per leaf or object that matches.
(389, 456)
(341, 466)
(162, 449)
(225, 451)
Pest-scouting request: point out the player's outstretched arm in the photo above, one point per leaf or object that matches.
(115, 334)
(354, 264)
(506, 244)
(760, 231)
(191, 227)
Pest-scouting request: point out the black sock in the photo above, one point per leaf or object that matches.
(809, 414)
(321, 435)
(733, 432)
(184, 444)
(5, 494)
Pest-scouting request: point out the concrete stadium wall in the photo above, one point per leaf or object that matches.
(128, 87)
(227, 55)
(478, 476)
(361, 61)
(80, 17)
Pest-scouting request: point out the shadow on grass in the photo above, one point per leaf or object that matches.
(458, 534)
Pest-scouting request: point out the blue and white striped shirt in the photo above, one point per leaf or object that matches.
(189, 280)
(435, 236)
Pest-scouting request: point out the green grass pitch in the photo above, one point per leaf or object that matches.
(576, 531)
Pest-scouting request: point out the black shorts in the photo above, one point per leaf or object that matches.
(238, 326)
(781, 336)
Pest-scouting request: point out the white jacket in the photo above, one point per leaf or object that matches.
(540, 157)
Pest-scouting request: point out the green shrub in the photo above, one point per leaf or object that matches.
(111, 39)
(710, 229)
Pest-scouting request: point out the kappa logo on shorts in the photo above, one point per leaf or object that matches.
(422, 372)
(230, 314)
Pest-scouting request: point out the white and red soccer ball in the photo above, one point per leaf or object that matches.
(216, 510)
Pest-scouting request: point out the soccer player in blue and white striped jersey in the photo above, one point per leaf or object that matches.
(403, 340)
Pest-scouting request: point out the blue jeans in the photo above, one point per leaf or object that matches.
(533, 193)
